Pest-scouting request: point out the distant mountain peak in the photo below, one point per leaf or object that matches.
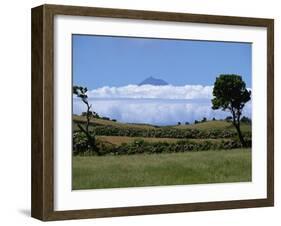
(153, 81)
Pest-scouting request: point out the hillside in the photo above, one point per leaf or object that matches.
(208, 125)
(218, 124)
(103, 122)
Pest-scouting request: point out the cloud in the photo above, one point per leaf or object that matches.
(155, 111)
(150, 91)
(159, 105)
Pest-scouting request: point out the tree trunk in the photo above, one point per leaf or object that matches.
(88, 118)
(240, 135)
(91, 139)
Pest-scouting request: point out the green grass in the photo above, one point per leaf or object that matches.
(162, 169)
(218, 124)
(208, 125)
(102, 122)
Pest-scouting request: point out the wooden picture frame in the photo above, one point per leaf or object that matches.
(42, 205)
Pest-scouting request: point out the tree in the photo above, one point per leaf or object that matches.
(204, 119)
(230, 94)
(80, 92)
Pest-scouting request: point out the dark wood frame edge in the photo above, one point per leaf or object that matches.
(42, 197)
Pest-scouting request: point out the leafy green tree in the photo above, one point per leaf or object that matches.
(80, 92)
(230, 94)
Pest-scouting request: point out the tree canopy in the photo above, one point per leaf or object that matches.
(230, 94)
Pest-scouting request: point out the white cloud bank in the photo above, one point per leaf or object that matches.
(159, 105)
(150, 91)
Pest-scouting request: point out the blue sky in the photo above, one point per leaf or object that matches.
(118, 61)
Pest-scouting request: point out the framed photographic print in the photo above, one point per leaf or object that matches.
(142, 112)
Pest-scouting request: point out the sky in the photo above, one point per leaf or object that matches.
(117, 61)
(112, 67)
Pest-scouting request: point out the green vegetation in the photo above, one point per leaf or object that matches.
(111, 145)
(218, 125)
(115, 138)
(104, 122)
(202, 130)
(119, 140)
(161, 169)
(208, 125)
(111, 154)
(90, 139)
(230, 94)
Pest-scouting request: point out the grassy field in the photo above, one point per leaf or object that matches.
(161, 169)
(218, 124)
(208, 125)
(118, 140)
(103, 122)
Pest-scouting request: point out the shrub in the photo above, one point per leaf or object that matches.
(165, 132)
(246, 120)
(228, 119)
(204, 119)
(140, 146)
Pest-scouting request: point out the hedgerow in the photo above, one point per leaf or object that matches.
(166, 132)
(140, 146)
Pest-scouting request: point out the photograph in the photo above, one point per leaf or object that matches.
(152, 111)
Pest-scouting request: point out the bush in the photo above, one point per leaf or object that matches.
(204, 119)
(228, 119)
(139, 146)
(79, 143)
(165, 132)
(245, 119)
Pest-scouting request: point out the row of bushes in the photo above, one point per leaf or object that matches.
(140, 146)
(166, 132)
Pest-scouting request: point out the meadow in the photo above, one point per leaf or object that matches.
(214, 166)
(136, 155)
